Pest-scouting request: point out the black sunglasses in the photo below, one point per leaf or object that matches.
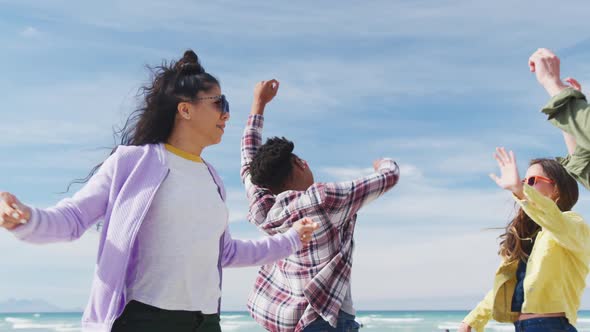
(224, 106)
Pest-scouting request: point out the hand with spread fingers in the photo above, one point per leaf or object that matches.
(12, 212)
(509, 178)
(305, 228)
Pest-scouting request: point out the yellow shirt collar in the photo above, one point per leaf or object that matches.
(183, 154)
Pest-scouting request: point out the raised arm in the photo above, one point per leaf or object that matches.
(344, 199)
(261, 199)
(567, 109)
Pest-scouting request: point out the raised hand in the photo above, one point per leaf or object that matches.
(546, 66)
(12, 212)
(509, 178)
(305, 227)
(265, 91)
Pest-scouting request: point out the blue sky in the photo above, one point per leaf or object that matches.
(435, 85)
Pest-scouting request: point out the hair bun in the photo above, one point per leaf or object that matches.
(189, 64)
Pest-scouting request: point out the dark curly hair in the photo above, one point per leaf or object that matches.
(272, 165)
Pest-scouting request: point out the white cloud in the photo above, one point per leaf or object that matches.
(29, 32)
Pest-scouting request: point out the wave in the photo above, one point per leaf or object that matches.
(14, 320)
(493, 326)
(22, 324)
(449, 325)
(234, 316)
(56, 327)
(237, 326)
(388, 320)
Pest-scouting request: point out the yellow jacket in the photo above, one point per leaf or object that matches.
(556, 269)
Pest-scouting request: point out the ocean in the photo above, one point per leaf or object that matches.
(372, 321)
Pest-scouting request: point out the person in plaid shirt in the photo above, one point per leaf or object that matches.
(309, 290)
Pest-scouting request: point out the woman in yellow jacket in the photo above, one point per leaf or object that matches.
(545, 252)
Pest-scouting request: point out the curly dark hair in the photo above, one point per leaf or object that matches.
(272, 165)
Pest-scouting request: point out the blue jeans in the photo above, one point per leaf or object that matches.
(346, 323)
(552, 324)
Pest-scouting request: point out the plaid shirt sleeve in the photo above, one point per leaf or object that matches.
(346, 198)
(261, 199)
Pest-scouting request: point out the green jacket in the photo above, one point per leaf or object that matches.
(570, 112)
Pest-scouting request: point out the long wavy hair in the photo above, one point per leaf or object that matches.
(152, 122)
(518, 239)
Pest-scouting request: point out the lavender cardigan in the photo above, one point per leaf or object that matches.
(120, 193)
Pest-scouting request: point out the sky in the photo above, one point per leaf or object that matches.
(436, 85)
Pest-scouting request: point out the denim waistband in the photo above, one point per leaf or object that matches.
(542, 321)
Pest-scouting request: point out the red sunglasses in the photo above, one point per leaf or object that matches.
(532, 180)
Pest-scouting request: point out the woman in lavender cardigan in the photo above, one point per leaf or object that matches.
(165, 236)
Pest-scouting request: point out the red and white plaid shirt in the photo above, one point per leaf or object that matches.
(293, 292)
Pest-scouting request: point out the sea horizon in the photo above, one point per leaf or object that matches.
(371, 321)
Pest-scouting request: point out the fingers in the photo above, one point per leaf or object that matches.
(9, 225)
(512, 157)
(574, 83)
(306, 221)
(541, 54)
(305, 238)
(532, 61)
(376, 164)
(495, 178)
(504, 158)
(503, 155)
(10, 211)
(499, 158)
(308, 226)
(273, 85)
